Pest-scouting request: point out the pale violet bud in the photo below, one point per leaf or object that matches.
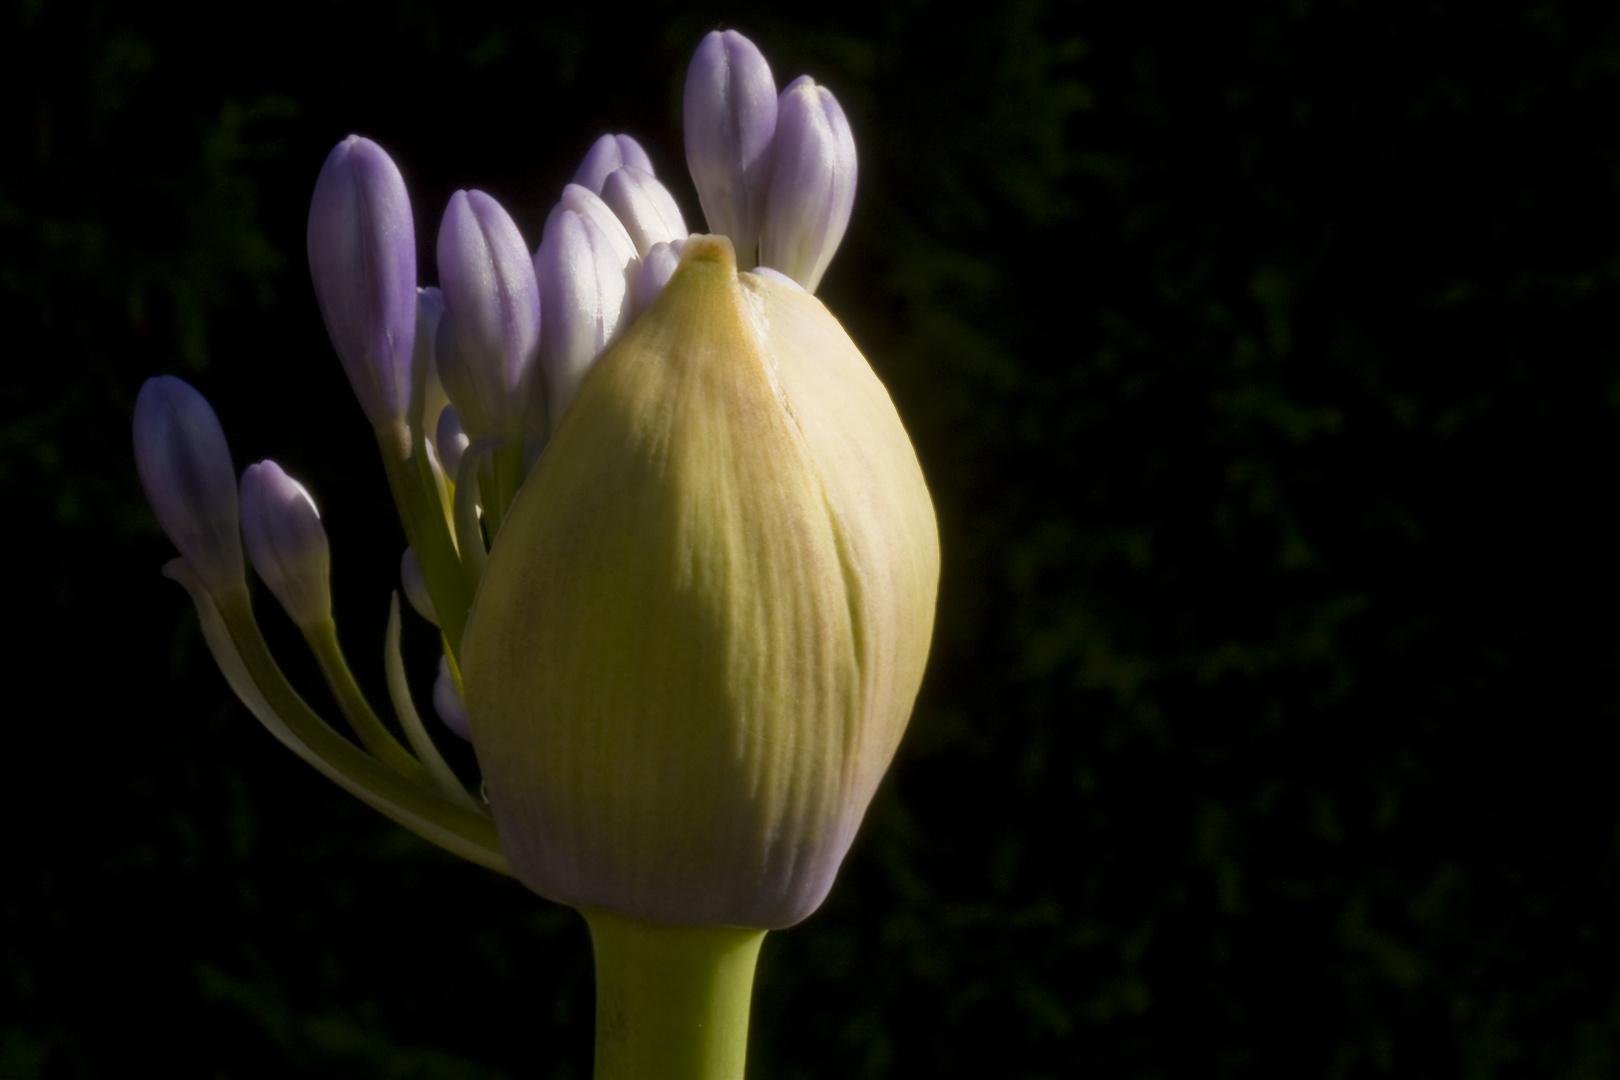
(656, 269)
(812, 184)
(451, 440)
(416, 590)
(584, 290)
(185, 467)
(362, 259)
(607, 154)
(730, 109)
(429, 312)
(286, 542)
(448, 704)
(590, 205)
(777, 275)
(491, 327)
(645, 206)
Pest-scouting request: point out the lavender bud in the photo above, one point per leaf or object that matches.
(429, 312)
(362, 259)
(588, 205)
(584, 289)
(447, 703)
(185, 467)
(645, 206)
(607, 154)
(812, 184)
(730, 114)
(416, 590)
(286, 542)
(450, 439)
(778, 276)
(491, 327)
(656, 269)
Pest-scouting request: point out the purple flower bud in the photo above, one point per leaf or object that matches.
(777, 276)
(447, 703)
(416, 590)
(586, 296)
(588, 205)
(362, 258)
(429, 312)
(656, 270)
(645, 206)
(185, 467)
(491, 327)
(607, 154)
(812, 184)
(286, 542)
(451, 440)
(730, 113)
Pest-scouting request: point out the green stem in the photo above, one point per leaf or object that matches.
(671, 1001)
(322, 640)
(416, 497)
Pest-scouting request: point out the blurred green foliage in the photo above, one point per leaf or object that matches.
(1262, 359)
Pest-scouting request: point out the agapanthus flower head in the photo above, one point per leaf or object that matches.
(675, 542)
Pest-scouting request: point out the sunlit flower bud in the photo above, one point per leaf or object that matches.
(589, 205)
(704, 621)
(777, 275)
(607, 154)
(186, 469)
(362, 258)
(447, 702)
(812, 184)
(655, 271)
(730, 111)
(586, 298)
(645, 206)
(287, 543)
(429, 312)
(416, 590)
(450, 438)
(490, 332)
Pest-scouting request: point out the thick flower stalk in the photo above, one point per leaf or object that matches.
(662, 514)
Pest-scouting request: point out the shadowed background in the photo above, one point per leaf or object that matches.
(1262, 362)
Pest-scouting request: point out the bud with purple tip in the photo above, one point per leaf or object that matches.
(730, 107)
(287, 543)
(607, 154)
(185, 467)
(812, 184)
(589, 205)
(584, 290)
(362, 259)
(645, 206)
(490, 331)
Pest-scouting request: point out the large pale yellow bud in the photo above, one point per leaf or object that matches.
(705, 619)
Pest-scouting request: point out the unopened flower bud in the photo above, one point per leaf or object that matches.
(416, 589)
(730, 111)
(591, 206)
(704, 621)
(450, 438)
(645, 206)
(586, 299)
(287, 543)
(607, 154)
(447, 702)
(185, 467)
(429, 312)
(812, 184)
(362, 259)
(654, 273)
(490, 332)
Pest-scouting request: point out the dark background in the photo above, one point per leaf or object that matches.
(1262, 361)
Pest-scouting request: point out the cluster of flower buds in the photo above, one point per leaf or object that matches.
(786, 570)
